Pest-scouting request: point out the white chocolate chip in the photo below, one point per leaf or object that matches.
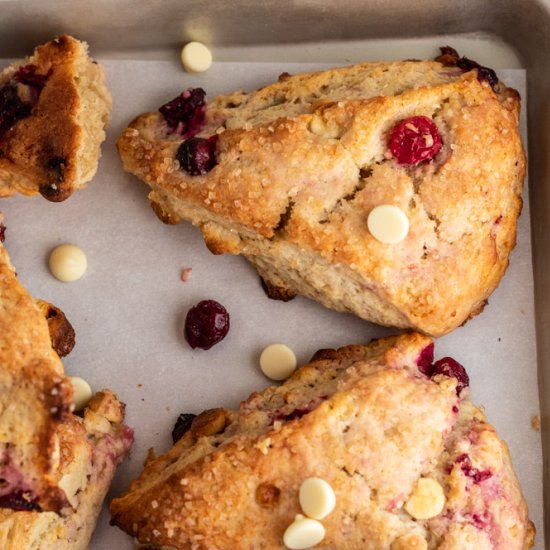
(303, 533)
(68, 263)
(317, 498)
(196, 57)
(388, 224)
(323, 128)
(278, 361)
(427, 499)
(412, 541)
(82, 392)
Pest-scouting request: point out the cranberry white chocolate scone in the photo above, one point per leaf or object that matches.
(378, 444)
(54, 107)
(89, 450)
(290, 177)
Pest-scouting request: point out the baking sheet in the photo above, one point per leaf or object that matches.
(129, 309)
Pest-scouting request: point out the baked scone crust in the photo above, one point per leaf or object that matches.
(302, 162)
(35, 396)
(56, 149)
(364, 418)
(90, 449)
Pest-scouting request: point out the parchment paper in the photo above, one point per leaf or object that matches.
(128, 310)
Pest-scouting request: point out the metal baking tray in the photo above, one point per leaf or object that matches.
(504, 34)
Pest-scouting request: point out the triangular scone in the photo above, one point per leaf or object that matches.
(90, 449)
(288, 175)
(371, 421)
(54, 107)
(35, 398)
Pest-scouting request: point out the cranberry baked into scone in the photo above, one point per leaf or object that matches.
(54, 107)
(35, 398)
(288, 176)
(412, 462)
(90, 449)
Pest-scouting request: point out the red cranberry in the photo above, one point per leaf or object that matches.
(185, 113)
(425, 359)
(20, 501)
(197, 156)
(12, 108)
(206, 324)
(183, 425)
(449, 367)
(469, 471)
(415, 140)
(2, 232)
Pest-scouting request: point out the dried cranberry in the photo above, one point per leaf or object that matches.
(185, 113)
(449, 56)
(20, 501)
(425, 360)
(206, 324)
(2, 232)
(294, 415)
(449, 367)
(468, 470)
(197, 156)
(183, 425)
(12, 109)
(415, 140)
(483, 73)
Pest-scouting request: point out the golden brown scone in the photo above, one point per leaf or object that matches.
(288, 175)
(35, 398)
(54, 107)
(371, 421)
(62, 334)
(90, 449)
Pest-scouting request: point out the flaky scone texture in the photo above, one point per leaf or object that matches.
(53, 146)
(301, 164)
(35, 397)
(90, 449)
(367, 420)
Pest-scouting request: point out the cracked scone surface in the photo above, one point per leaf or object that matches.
(301, 163)
(90, 449)
(366, 420)
(51, 145)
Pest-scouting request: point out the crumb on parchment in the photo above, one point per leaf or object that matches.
(535, 422)
(186, 273)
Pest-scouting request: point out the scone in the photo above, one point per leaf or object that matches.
(90, 449)
(412, 462)
(289, 175)
(54, 107)
(35, 398)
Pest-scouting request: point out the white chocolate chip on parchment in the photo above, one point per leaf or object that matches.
(196, 57)
(68, 263)
(82, 392)
(278, 361)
